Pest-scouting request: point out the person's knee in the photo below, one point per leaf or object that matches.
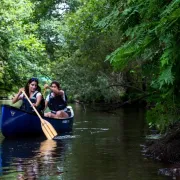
(64, 114)
(59, 113)
(67, 115)
(47, 114)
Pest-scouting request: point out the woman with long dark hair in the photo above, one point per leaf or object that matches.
(33, 91)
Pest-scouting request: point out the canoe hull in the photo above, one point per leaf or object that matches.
(15, 122)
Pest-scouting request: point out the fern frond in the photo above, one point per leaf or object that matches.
(109, 20)
(129, 51)
(166, 77)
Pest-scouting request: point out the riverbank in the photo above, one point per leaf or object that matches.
(166, 148)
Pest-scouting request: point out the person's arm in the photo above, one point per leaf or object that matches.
(46, 105)
(38, 100)
(56, 91)
(46, 102)
(17, 96)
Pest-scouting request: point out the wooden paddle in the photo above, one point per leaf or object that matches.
(44, 93)
(47, 128)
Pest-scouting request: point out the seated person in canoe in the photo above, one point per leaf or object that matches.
(56, 101)
(33, 91)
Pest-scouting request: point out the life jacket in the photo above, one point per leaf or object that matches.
(56, 103)
(27, 107)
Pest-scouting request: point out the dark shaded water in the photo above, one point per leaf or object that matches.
(102, 147)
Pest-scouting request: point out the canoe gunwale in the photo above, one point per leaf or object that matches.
(17, 109)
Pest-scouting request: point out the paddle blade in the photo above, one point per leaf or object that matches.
(48, 129)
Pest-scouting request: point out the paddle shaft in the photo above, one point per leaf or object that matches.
(44, 92)
(42, 121)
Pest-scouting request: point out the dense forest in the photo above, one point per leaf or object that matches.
(113, 51)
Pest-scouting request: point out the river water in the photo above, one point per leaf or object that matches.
(102, 146)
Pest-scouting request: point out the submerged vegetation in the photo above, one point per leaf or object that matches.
(113, 51)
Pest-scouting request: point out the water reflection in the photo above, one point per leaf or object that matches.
(32, 159)
(42, 161)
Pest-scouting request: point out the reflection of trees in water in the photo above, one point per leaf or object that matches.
(36, 162)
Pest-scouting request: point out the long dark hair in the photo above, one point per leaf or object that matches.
(29, 82)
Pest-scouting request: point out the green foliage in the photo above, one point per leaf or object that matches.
(22, 51)
(165, 113)
(85, 85)
(77, 49)
(47, 9)
(150, 34)
(147, 31)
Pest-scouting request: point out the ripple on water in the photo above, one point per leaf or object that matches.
(66, 137)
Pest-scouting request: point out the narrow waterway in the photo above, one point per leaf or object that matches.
(102, 146)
